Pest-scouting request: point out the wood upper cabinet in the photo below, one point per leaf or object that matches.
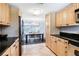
(14, 13)
(66, 17)
(4, 14)
(58, 19)
(71, 15)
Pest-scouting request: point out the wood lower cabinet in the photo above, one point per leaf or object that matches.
(17, 48)
(53, 44)
(48, 42)
(71, 50)
(13, 50)
(61, 47)
(7, 52)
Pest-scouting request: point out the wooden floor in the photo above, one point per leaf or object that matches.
(36, 50)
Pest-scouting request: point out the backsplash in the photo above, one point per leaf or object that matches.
(70, 29)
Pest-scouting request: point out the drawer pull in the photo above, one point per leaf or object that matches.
(65, 42)
(65, 51)
(59, 40)
(65, 47)
(7, 55)
(14, 45)
(55, 41)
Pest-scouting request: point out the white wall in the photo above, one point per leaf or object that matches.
(13, 29)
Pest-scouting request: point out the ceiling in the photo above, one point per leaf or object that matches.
(45, 7)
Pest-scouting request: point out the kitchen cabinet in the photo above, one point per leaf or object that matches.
(61, 47)
(66, 16)
(14, 13)
(53, 44)
(15, 48)
(47, 30)
(6, 53)
(71, 50)
(76, 5)
(4, 14)
(58, 19)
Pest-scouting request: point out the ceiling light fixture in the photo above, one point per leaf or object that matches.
(36, 11)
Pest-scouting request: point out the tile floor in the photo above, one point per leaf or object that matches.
(36, 50)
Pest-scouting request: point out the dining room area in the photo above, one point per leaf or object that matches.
(33, 31)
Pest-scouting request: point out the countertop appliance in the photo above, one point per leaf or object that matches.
(3, 43)
(3, 37)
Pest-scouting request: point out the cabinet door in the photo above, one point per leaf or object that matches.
(13, 50)
(66, 16)
(17, 48)
(54, 44)
(61, 47)
(77, 5)
(4, 13)
(71, 15)
(58, 19)
(7, 14)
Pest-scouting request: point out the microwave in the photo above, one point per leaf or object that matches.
(77, 15)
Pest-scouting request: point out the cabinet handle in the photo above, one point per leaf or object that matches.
(65, 42)
(59, 40)
(14, 45)
(55, 41)
(67, 24)
(65, 51)
(7, 55)
(65, 47)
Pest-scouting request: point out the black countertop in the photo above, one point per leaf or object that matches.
(72, 41)
(7, 43)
